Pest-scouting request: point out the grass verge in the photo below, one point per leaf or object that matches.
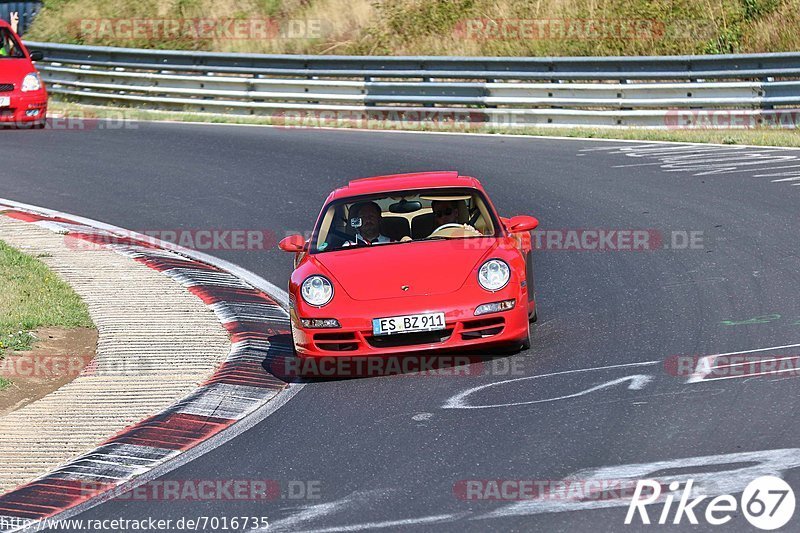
(431, 27)
(33, 297)
(81, 116)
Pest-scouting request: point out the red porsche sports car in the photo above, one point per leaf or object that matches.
(411, 262)
(23, 98)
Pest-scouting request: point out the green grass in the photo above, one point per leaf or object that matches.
(433, 27)
(759, 137)
(33, 297)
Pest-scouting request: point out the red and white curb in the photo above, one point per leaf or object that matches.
(238, 395)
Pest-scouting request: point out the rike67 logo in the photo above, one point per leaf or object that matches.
(767, 503)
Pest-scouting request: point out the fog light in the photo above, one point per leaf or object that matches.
(319, 323)
(494, 307)
(32, 113)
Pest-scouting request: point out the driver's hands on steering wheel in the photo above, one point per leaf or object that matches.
(466, 230)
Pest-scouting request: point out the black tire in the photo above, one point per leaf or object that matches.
(526, 343)
(531, 284)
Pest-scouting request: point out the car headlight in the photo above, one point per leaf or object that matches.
(31, 82)
(317, 290)
(494, 275)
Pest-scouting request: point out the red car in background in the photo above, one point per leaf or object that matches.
(408, 263)
(23, 98)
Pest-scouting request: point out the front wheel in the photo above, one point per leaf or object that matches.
(526, 342)
(531, 286)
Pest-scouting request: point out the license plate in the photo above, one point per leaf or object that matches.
(407, 323)
(5, 101)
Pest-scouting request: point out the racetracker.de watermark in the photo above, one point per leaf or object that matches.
(582, 29)
(731, 118)
(194, 29)
(193, 239)
(42, 366)
(544, 489)
(330, 367)
(605, 240)
(732, 366)
(210, 490)
(79, 120)
(451, 120)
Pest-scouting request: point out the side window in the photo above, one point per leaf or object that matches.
(8, 44)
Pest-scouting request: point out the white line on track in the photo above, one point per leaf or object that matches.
(322, 510)
(705, 364)
(458, 401)
(711, 160)
(793, 174)
(435, 519)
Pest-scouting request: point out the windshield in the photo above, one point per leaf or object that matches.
(402, 217)
(9, 47)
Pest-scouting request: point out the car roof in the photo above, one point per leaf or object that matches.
(404, 182)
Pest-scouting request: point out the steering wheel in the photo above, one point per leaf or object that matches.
(454, 230)
(445, 226)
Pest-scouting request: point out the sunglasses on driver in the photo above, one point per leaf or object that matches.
(446, 212)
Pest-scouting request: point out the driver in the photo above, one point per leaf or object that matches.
(370, 230)
(444, 212)
(7, 46)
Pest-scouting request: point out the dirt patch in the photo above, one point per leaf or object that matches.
(59, 355)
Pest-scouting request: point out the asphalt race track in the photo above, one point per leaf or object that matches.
(595, 394)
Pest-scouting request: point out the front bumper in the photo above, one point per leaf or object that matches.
(25, 108)
(463, 330)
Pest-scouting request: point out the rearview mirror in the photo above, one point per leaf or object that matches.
(405, 207)
(37, 55)
(522, 223)
(292, 243)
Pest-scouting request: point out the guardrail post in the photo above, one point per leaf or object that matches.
(766, 79)
(485, 93)
(426, 79)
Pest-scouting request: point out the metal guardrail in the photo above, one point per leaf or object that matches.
(738, 90)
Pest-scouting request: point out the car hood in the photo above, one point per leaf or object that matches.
(426, 268)
(13, 70)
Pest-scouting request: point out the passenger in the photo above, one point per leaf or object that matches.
(369, 230)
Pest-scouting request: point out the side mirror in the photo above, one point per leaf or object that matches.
(522, 223)
(292, 243)
(37, 56)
